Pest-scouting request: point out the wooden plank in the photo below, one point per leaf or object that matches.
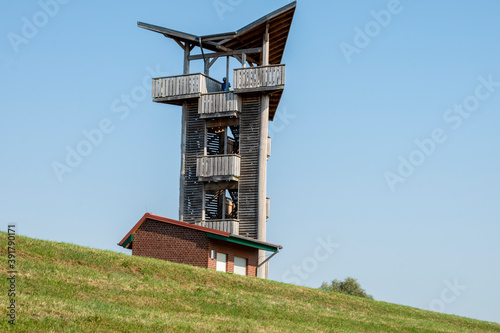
(229, 185)
(187, 51)
(272, 89)
(209, 116)
(265, 46)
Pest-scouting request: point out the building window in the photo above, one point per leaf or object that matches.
(240, 266)
(221, 262)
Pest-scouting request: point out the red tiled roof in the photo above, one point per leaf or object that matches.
(175, 222)
(190, 226)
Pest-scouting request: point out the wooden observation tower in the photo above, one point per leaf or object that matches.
(225, 143)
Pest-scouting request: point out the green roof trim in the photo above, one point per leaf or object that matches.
(246, 242)
(128, 240)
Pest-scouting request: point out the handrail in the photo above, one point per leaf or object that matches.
(217, 92)
(218, 155)
(263, 66)
(186, 84)
(259, 77)
(180, 75)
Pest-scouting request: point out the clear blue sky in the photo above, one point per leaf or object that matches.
(411, 221)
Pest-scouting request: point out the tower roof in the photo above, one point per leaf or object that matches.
(248, 37)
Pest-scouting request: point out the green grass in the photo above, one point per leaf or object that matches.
(68, 288)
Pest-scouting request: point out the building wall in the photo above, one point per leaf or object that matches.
(174, 243)
(232, 250)
(170, 242)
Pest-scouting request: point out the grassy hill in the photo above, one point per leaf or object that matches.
(68, 288)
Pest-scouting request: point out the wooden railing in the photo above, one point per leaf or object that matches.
(231, 226)
(188, 84)
(220, 102)
(257, 77)
(218, 166)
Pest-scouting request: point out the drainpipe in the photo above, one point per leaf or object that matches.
(269, 258)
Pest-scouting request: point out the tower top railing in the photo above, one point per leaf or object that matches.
(184, 85)
(259, 78)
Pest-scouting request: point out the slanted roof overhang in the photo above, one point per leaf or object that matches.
(248, 37)
(247, 242)
(128, 241)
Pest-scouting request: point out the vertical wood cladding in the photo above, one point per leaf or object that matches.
(248, 185)
(193, 190)
(249, 170)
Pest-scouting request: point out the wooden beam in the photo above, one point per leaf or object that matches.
(270, 89)
(265, 47)
(183, 161)
(207, 68)
(219, 47)
(223, 54)
(227, 73)
(220, 38)
(220, 122)
(224, 41)
(211, 62)
(223, 197)
(232, 185)
(178, 42)
(240, 59)
(187, 50)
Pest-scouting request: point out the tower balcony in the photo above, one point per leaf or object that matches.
(261, 78)
(219, 104)
(228, 225)
(175, 89)
(218, 168)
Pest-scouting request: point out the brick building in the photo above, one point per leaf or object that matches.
(162, 238)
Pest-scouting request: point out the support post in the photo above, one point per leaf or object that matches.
(183, 161)
(187, 51)
(262, 198)
(227, 72)
(223, 204)
(262, 271)
(225, 141)
(265, 47)
(204, 192)
(207, 68)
